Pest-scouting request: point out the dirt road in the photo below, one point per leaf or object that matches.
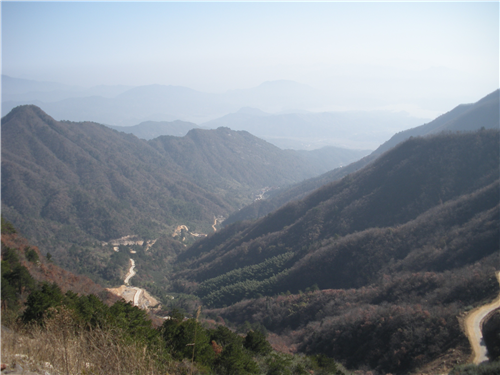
(219, 220)
(130, 273)
(473, 325)
(138, 296)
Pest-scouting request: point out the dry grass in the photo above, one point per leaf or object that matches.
(63, 347)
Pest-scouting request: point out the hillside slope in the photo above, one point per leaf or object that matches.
(397, 250)
(463, 118)
(41, 270)
(235, 161)
(86, 176)
(485, 113)
(73, 186)
(404, 183)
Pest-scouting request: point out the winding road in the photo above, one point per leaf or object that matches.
(137, 296)
(473, 325)
(130, 273)
(138, 291)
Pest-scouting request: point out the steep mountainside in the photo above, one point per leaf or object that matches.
(42, 269)
(295, 192)
(399, 249)
(225, 160)
(469, 117)
(466, 117)
(80, 184)
(411, 179)
(84, 177)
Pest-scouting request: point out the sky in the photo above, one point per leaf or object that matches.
(420, 57)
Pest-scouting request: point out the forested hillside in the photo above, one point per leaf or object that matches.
(387, 255)
(234, 164)
(23, 267)
(53, 320)
(398, 250)
(485, 113)
(463, 118)
(418, 175)
(69, 187)
(79, 183)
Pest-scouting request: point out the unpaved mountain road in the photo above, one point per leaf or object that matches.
(130, 273)
(138, 291)
(138, 296)
(473, 325)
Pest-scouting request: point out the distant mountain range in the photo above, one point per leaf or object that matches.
(277, 111)
(353, 131)
(465, 117)
(153, 129)
(325, 158)
(126, 106)
(307, 131)
(25, 90)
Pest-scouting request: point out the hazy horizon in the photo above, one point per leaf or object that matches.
(423, 58)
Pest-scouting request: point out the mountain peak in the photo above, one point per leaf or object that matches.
(26, 108)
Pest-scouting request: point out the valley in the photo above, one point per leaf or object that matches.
(369, 263)
(250, 188)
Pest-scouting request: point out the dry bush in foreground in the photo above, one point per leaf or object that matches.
(62, 346)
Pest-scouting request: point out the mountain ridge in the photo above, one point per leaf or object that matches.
(152, 129)
(344, 201)
(68, 184)
(489, 120)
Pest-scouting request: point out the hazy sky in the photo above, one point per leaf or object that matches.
(422, 57)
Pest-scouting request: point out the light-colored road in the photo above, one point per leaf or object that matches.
(138, 292)
(219, 220)
(473, 325)
(130, 272)
(138, 296)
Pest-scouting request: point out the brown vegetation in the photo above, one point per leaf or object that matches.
(64, 347)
